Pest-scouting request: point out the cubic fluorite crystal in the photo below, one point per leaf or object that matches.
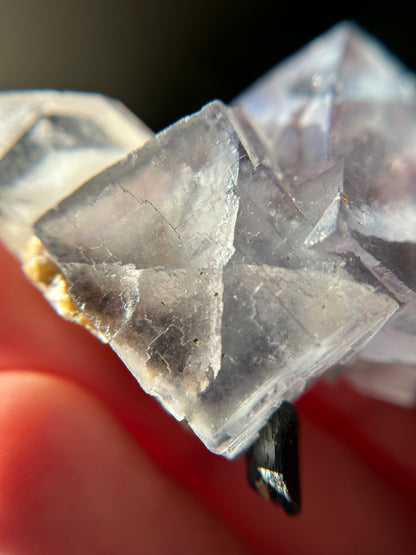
(345, 99)
(50, 142)
(244, 250)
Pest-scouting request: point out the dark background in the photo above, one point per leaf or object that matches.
(165, 59)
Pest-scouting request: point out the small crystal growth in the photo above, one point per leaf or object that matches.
(272, 462)
(244, 250)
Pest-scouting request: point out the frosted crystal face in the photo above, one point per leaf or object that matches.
(50, 142)
(243, 251)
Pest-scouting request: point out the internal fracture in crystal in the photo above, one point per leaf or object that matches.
(243, 251)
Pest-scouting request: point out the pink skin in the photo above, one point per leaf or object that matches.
(90, 464)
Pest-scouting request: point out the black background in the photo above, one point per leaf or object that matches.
(165, 59)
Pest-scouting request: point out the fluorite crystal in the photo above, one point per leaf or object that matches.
(345, 99)
(50, 142)
(244, 250)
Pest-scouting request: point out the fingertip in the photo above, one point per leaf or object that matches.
(72, 480)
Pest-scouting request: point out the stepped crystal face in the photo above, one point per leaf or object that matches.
(245, 250)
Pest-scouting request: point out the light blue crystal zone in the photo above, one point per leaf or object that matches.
(222, 294)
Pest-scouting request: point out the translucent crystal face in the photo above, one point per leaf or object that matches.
(49, 143)
(243, 251)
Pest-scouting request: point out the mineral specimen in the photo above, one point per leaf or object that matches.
(244, 250)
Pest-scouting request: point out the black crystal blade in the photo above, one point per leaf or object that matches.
(273, 460)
